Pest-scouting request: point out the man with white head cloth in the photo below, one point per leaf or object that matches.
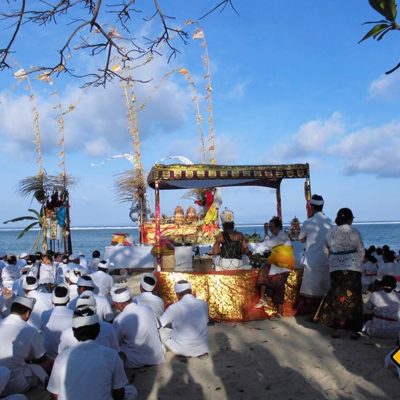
(43, 300)
(88, 370)
(137, 332)
(316, 279)
(29, 348)
(146, 297)
(56, 320)
(188, 319)
(102, 279)
(103, 306)
(107, 336)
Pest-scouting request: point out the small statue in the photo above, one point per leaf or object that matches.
(191, 215)
(294, 230)
(179, 215)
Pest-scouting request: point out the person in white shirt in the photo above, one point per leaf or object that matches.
(43, 300)
(184, 325)
(272, 276)
(22, 260)
(146, 297)
(137, 332)
(88, 370)
(10, 273)
(107, 336)
(369, 271)
(47, 272)
(103, 281)
(94, 261)
(24, 376)
(315, 284)
(384, 309)
(56, 320)
(74, 262)
(343, 306)
(72, 276)
(103, 306)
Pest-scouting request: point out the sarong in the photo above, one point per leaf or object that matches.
(275, 284)
(342, 307)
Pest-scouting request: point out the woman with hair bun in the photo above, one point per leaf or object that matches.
(342, 307)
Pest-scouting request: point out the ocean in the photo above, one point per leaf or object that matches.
(87, 239)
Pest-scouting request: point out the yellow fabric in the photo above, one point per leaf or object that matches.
(212, 215)
(282, 256)
(231, 295)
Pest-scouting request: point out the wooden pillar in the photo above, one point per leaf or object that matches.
(278, 202)
(158, 227)
(307, 195)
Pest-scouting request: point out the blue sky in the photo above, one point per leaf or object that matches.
(290, 84)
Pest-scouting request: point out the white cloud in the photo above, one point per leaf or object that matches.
(311, 137)
(99, 124)
(238, 91)
(385, 87)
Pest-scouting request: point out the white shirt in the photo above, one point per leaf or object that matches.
(14, 353)
(54, 322)
(316, 279)
(61, 270)
(9, 275)
(151, 300)
(103, 307)
(346, 249)
(43, 303)
(137, 334)
(189, 319)
(87, 371)
(107, 337)
(390, 268)
(272, 241)
(103, 281)
(47, 274)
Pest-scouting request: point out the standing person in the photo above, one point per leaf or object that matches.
(47, 272)
(230, 245)
(94, 262)
(88, 370)
(21, 349)
(102, 279)
(189, 320)
(10, 273)
(146, 297)
(274, 274)
(343, 305)
(56, 320)
(315, 284)
(137, 331)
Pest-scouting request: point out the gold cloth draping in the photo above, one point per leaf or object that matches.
(231, 295)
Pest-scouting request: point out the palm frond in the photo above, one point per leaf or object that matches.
(18, 219)
(130, 185)
(26, 229)
(34, 185)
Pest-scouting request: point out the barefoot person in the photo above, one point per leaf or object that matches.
(343, 305)
(273, 276)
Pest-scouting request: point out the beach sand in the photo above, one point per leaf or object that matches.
(289, 358)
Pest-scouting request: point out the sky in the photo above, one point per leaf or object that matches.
(290, 84)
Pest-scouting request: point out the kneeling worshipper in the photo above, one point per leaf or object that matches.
(369, 271)
(384, 305)
(137, 332)
(230, 245)
(147, 297)
(107, 336)
(281, 261)
(184, 325)
(103, 306)
(56, 320)
(343, 306)
(102, 279)
(43, 301)
(28, 364)
(88, 370)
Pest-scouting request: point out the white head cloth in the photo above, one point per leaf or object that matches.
(146, 286)
(61, 300)
(28, 302)
(79, 322)
(181, 287)
(73, 257)
(23, 254)
(31, 286)
(72, 276)
(103, 264)
(121, 297)
(316, 202)
(86, 299)
(85, 283)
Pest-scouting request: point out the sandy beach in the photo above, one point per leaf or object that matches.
(289, 358)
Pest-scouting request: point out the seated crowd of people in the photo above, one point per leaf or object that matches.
(65, 326)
